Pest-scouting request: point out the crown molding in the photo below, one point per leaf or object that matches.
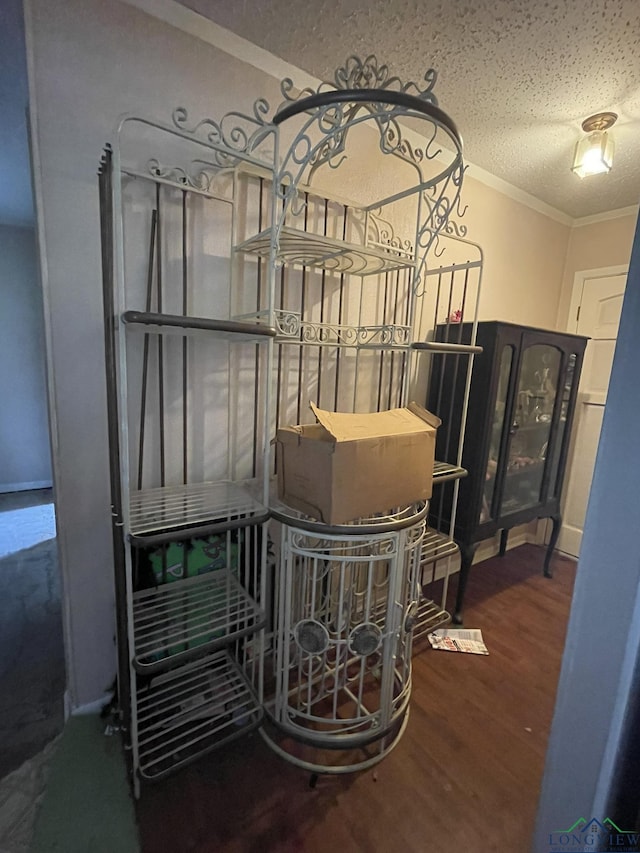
(515, 193)
(603, 217)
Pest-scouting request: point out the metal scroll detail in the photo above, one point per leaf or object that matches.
(365, 73)
(200, 176)
(234, 134)
(380, 233)
(291, 327)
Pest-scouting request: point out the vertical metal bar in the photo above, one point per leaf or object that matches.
(394, 320)
(437, 305)
(384, 317)
(340, 310)
(340, 640)
(185, 342)
(442, 358)
(185, 371)
(256, 379)
(302, 307)
(145, 351)
(449, 306)
(403, 366)
(322, 298)
(279, 368)
(456, 365)
(160, 339)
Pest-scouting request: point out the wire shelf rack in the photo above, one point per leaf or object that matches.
(436, 546)
(429, 616)
(303, 248)
(192, 710)
(179, 619)
(443, 471)
(170, 508)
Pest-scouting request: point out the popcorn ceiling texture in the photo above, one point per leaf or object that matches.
(517, 76)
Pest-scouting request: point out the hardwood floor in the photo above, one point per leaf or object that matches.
(465, 776)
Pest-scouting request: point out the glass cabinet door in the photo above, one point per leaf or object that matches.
(531, 427)
(554, 479)
(495, 439)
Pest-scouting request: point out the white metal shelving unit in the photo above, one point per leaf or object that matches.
(355, 319)
(190, 500)
(240, 283)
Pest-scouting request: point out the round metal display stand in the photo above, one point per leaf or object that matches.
(342, 639)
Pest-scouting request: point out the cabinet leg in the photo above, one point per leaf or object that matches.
(466, 559)
(555, 532)
(504, 538)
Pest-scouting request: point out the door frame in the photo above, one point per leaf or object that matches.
(579, 279)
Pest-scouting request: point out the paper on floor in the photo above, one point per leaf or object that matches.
(459, 640)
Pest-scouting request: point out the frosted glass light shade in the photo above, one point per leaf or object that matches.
(594, 154)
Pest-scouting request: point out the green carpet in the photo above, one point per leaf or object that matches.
(87, 806)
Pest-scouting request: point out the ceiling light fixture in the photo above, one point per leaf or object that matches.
(594, 153)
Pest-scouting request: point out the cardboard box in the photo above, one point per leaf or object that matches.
(351, 466)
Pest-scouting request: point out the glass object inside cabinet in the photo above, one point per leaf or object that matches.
(535, 400)
(562, 425)
(496, 433)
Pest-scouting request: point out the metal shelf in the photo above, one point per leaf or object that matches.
(429, 617)
(155, 515)
(180, 619)
(179, 325)
(436, 546)
(185, 713)
(443, 472)
(314, 250)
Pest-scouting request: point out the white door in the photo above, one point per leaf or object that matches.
(597, 303)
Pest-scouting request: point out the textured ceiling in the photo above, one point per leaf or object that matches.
(517, 76)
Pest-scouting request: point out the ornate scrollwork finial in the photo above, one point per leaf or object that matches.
(366, 73)
(370, 74)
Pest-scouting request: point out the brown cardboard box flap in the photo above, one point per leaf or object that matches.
(352, 426)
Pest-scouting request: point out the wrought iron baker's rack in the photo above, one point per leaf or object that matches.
(241, 281)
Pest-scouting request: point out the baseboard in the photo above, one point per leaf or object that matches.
(491, 547)
(522, 535)
(25, 487)
(91, 707)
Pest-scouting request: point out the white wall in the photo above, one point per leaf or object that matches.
(25, 455)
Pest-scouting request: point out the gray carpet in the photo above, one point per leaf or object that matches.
(32, 669)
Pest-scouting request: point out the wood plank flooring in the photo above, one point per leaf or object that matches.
(465, 776)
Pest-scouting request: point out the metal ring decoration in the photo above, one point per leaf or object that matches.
(365, 639)
(311, 637)
(366, 528)
(375, 96)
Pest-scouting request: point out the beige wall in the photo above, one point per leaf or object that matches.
(594, 246)
(524, 254)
